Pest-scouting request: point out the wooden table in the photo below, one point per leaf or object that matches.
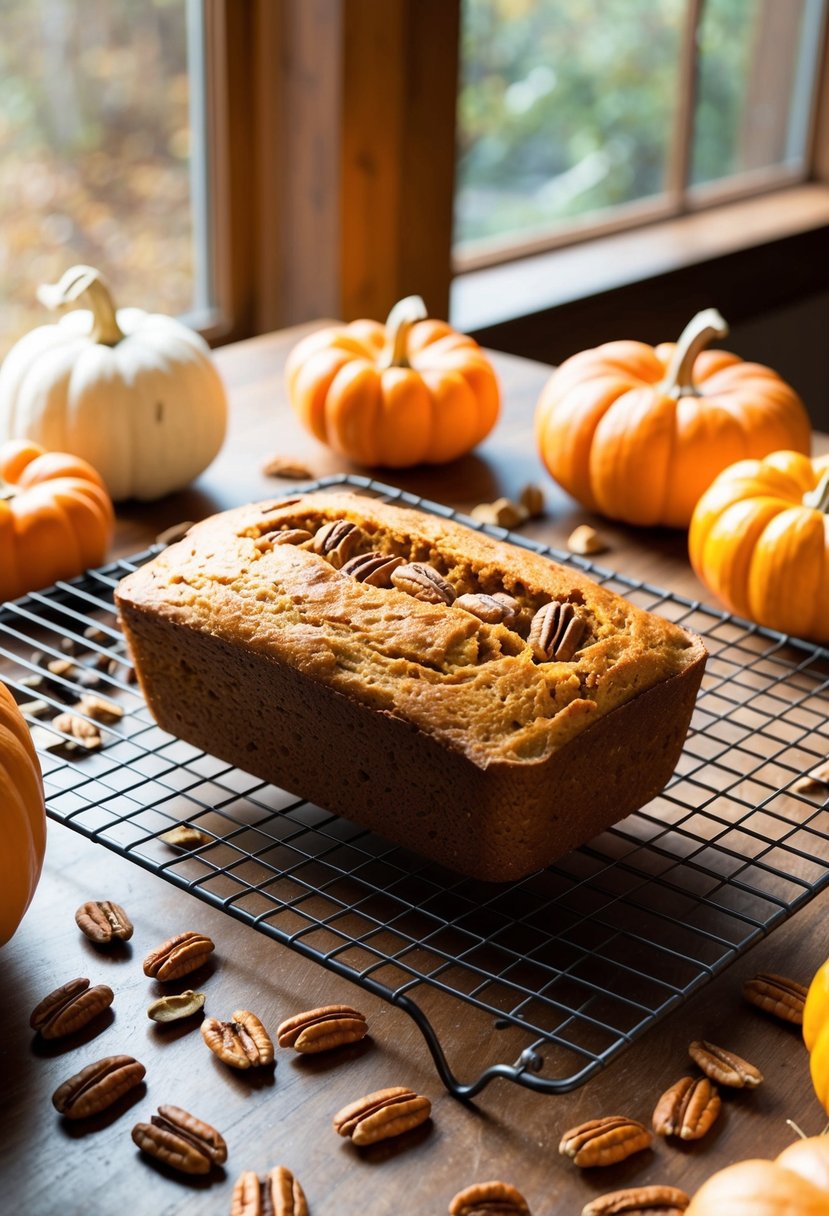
(49, 1166)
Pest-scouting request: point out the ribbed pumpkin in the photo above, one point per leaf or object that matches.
(412, 391)
(759, 539)
(56, 518)
(639, 432)
(816, 1033)
(796, 1183)
(135, 393)
(22, 817)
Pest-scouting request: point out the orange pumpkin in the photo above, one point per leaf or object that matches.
(22, 817)
(796, 1183)
(759, 539)
(56, 517)
(639, 432)
(412, 391)
(816, 1033)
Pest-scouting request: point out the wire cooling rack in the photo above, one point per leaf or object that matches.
(558, 972)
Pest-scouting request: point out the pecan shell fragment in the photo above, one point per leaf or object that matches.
(382, 1114)
(241, 1043)
(181, 1141)
(724, 1066)
(277, 1194)
(604, 1141)
(688, 1109)
(178, 956)
(322, 1029)
(69, 1008)
(777, 995)
(97, 1086)
(639, 1201)
(103, 921)
(489, 1199)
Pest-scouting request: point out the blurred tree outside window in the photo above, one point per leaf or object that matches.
(569, 109)
(99, 162)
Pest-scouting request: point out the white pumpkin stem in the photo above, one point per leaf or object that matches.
(85, 286)
(398, 323)
(819, 497)
(791, 1123)
(697, 334)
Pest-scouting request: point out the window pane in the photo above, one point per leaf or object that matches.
(565, 108)
(97, 152)
(756, 73)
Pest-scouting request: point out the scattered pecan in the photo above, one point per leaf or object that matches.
(99, 709)
(503, 513)
(86, 733)
(782, 997)
(178, 956)
(97, 1086)
(556, 632)
(372, 568)
(69, 1008)
(103, 921)
(177, 1006)
(489, 1199)
(531, 499)
(291, 470)
(380, 1115)
(337, 541)
(180, 1140)
(423, 582)
(322, 1029)
(498, 609)
(61, 667)
(639, 1201)
(185, 836)
(688, 1109)
(242, 1043)
(94, 633)
(724, 1066)
(277, 1194)
(586, 541)
(604, 1141)
(814, 782)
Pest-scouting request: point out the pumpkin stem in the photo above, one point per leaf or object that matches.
(819, 497)
(85, 285)
(700, 330)
(398, 323)
(791, 1123)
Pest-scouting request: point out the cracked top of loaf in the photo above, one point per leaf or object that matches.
(276, 578)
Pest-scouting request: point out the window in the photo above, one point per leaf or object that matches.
(580, 116)
(103, 161)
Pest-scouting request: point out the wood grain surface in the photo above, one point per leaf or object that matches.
(284, 1115)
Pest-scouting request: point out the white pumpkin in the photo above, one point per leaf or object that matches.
(136, 394)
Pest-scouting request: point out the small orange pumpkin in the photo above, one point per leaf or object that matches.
(22, 817)
(639, 432)
(412, 391)
(816, 1033)
(56, 517)
(796, 1183)
(759, 539)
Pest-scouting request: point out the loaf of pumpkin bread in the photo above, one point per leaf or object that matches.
(469, 700)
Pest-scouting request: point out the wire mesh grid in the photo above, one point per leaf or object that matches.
(556, 973)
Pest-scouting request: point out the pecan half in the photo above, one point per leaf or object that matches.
(586, 541)
(556, 632)
(423, 582)
(103, 921)
(337, 541)
(816, 781)
(277, 1194)
(532, 499)
(375, 569)
(99, 708)
(181, 1141)
(285, 536)
(639, 1201)
(283, 466)
(185, 836)
(495, 609)
(724, 1066)
(489, 1199)
(178, 956)
(69, 1008)
(242, 1043)
(688, 1109)
(604, 1141)
(175, 1007)
(382, 1114)
(322, 1029)
(782, 997)
(86, 734)
(97, 1086)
